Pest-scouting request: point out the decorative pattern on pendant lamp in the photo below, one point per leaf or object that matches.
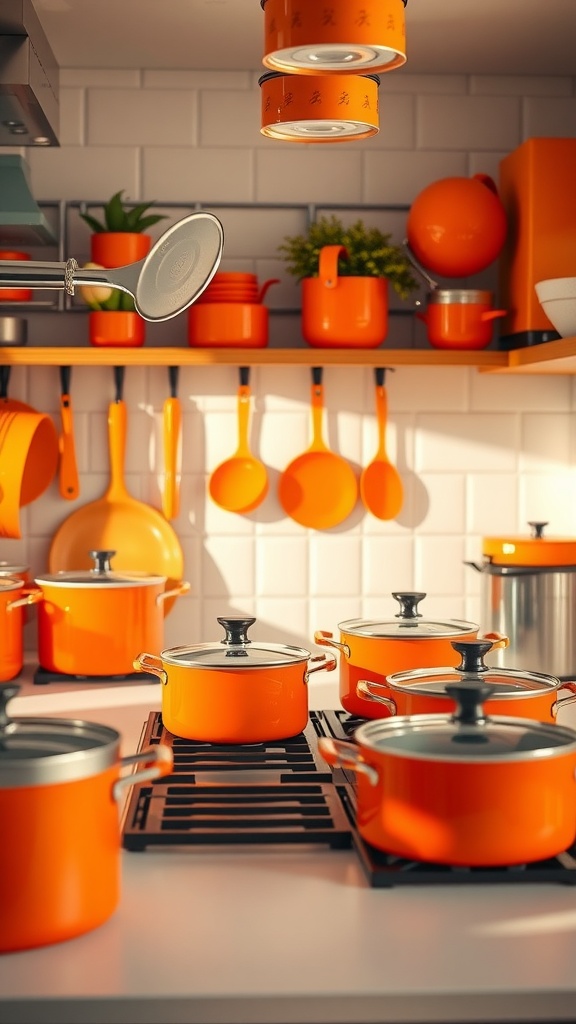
(307, 37)
(319, 108)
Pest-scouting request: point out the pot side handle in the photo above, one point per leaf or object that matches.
(367, 689)
(151, 663)
(321, 661)
(341, 754)
(33, 596)
(324, 639)
(180, 588)
(158, 760)
(564, 701)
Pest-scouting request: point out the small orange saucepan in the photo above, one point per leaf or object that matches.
(373, 649)
(512, 691)
(234, 691)
(59, 790)
(93, 622)
(463, 789)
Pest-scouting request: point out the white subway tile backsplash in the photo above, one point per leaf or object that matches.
(281, 567)
(467, 443)
(198, 175)
(142, 117)
(398, 176)
(492, 503)
(446, 494)
(335, 565)
(310, 175)
(549, 117)
(228, 567)
(549, 498)
(387, 565)
(505, 392)
(230, 117)
(439, 567)
(520, 85)
(468, 122)
(546, 444)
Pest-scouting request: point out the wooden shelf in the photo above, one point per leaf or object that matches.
(73, 356)
(551, 357)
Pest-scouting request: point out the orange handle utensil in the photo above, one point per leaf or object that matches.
(381, 486)
(172, 431)
(68, 481)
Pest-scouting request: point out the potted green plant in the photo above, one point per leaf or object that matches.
(344, 272)
(120, 237)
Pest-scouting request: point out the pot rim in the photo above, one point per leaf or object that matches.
(239, 656)
(409, 681)
(74, 580)
(411, 629)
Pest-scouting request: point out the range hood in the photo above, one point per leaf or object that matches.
(29, 79)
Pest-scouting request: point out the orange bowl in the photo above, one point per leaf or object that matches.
(228, 325)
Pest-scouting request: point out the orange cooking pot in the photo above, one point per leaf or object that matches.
(373, 649)
(12, 603)
(93, 622)
(457, 226)
(465, 789)
(234, 691)
(512, 691)
(460, 318)
(59, 791)
(340, 311)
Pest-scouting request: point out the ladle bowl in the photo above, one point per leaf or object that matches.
(381, 487)
(240, 483)
(175, 272)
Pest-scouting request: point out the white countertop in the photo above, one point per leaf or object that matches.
(276, 936)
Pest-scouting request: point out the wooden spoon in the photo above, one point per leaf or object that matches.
(381, 486)
(240, 483)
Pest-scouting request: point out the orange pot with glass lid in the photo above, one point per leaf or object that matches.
(528, 591)
(235, 690)
(373, 649)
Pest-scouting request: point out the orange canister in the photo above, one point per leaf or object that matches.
(319, 108)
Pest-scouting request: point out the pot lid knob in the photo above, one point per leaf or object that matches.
(101, 561)
(537, 529)
(408, 601)
(469, 695)
(236, 627)
(7, 692)
(472, 653)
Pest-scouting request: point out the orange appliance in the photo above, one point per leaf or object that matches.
(537, 189)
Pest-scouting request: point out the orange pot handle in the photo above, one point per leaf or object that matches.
(493, 314)
(485, 179)
(33, 596)
(324, 639)
(158, 760)
(151, 663)
(498, 640)
(321, 661)
(265, 287)
(563, 701)
(328, 264)
(180, 588)
(341, 754)
(367, 689)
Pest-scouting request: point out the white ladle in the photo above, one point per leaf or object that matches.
(175, 272)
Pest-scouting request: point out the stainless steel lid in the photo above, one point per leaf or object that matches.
(47, 751)
(102, 575)
(8, 583)
(408, 624)
(235, 653)
(467, 736)
(462, 296)
(504, 683)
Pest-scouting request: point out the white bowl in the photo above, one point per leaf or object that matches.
(558, 300)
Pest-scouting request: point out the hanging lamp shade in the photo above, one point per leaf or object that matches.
(306, 37)
(319, 108)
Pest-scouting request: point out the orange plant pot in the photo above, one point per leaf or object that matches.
(119, 248)
(358, 35)
(14, 294)
(116, 329)
(343, 312)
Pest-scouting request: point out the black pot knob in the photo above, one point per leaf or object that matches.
(236, 627)
(409, 601)
(469, 695)
(472, 653)
(537, 529)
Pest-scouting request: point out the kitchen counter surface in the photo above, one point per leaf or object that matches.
(276, 936)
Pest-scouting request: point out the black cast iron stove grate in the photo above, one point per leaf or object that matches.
(280, 791)
(43, 676)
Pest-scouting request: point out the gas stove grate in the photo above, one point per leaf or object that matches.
(236, 814)
(43, 676)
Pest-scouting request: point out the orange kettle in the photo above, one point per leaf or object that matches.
(457, 226)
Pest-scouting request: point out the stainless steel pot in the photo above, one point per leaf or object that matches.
(528, 592)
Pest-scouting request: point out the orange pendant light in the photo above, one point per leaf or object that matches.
(319, 108)
(306, 37)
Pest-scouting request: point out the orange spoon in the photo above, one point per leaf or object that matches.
(381, 486)
(172, 439)
(318, 489)
(240, 483)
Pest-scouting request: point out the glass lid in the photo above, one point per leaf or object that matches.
(408, 623)
(469, 735)
(102, 575)
(235, 652)
(503, 682)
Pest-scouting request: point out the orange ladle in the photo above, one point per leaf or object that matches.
(240, 483)
(381, 486)
(318, 489)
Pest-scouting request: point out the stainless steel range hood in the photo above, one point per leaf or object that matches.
(29, 79)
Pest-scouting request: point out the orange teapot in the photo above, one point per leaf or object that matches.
(457, 226)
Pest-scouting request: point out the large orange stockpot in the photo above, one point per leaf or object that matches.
(512, 691)
(92, 622)
(12, 604)
(373, 649)
(463, 789)
(234, 691)
(60, 856)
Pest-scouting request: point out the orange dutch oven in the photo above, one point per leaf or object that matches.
(512, 691)
(373, 649)
(463, 789)
(92, 622)
(234, 691)
(59, 790)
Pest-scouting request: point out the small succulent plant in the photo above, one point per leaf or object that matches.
(120, 216)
